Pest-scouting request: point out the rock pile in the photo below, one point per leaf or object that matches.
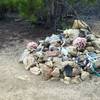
(71, 56)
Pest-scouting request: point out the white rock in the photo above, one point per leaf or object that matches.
(67, 80)
(71, 33)
(24, 54)
(29, 61)
(35, 71)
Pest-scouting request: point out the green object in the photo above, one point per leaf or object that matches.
(92, 57)
(94, 70)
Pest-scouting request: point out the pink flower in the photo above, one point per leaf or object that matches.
(32, 45)
(80, 43)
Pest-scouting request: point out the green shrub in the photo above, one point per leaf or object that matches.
(29, 8)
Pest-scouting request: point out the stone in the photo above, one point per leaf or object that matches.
(52, 53)
(53, 48)
(57, 62)
(54, 38)
(71, 33)
(35, 71)
(49, 64)
(29, 61)
(97, 51)
(96, 43)
(46, 44)
(64, 51)
(89, 44)
(76, 71)
(84, 32)
(85, 52)
(64, 58)
(57, 59)
(72, 50)
(85, 75)
(24, 54)
(79, 53)
(90, 49)
(40, 47)
(67, 71)
(46, 71)
(73, 53)
(97, 62)
(71, 63)
(45, 58)
(39, 54)
(55, 73)
(58, 65)
(91, 37)
(67, 80)
(76, 80)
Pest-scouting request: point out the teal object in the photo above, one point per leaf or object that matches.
(94, 70)
(92, 57)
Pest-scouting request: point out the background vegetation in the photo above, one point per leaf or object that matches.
(50, 13)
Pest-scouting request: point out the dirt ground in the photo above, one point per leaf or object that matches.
(18, 84)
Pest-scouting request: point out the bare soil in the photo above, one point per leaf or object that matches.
(18, 84)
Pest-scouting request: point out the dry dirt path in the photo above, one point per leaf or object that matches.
(18, 84)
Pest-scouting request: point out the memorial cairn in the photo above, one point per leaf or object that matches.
(72, 56)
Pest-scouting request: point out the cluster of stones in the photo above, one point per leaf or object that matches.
(55, 57)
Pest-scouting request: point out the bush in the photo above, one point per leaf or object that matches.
(7, 5)
(29, 8)
(49, 11)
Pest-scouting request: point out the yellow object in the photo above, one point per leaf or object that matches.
(78, 24)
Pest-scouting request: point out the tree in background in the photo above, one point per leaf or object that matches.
(50, 13)
(29, 9)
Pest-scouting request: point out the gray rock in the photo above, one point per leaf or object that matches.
(90, 49)
(96, 43)
(89, 44)
(97, 51)
(91, 37)
(85, 75)
(24, 54)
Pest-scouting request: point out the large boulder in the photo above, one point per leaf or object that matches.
(71, 33)
(46, 71)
